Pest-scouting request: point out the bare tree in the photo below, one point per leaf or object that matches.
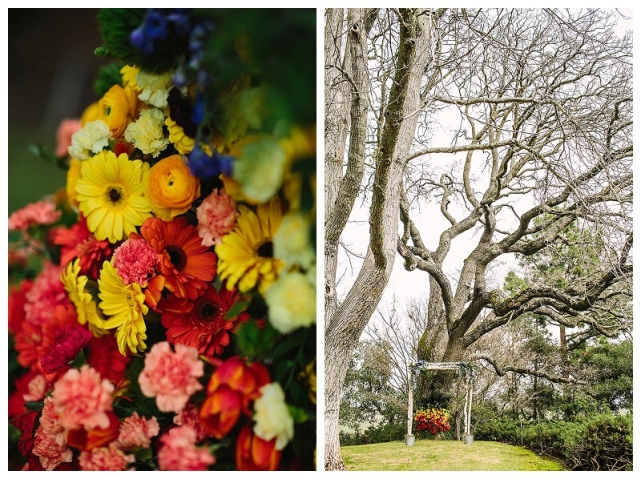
(543, 100)
(401, 39)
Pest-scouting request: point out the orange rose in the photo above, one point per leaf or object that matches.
(172, 187)
(117, 108)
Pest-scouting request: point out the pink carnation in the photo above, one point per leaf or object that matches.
(66, 129)
(68, 341)
(39, 213)
(37, 388)
(50, 444)
(81, 399)
(136, 431)
(46, 293)
(179, 452)
(190, 416)
(135, 260)
(105, 459)
(216, 217)
(171, 377)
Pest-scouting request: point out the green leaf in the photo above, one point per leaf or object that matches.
(299, 415)
(237, 308)
(34, 405)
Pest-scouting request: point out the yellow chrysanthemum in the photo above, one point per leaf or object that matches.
(125, 304)
(86, 309)
(246, 254)
(73, 173)
(183, 143)
(128, 75)
(111, 195)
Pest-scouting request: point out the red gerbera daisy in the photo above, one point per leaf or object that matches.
(201, 324)
(185, 264)
(34, 339)
(104, 357)
(78, 242)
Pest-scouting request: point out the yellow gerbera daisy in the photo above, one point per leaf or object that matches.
(111, 195)
(86, 309)
(126, 306)
(246, 254)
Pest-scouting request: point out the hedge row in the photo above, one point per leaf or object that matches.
(597, 443)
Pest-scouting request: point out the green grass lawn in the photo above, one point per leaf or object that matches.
(444, 456)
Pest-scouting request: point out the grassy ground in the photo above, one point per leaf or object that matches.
(444, 456)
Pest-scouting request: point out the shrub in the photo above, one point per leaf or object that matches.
(602, 442)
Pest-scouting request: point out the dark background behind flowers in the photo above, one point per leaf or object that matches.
(51, 71)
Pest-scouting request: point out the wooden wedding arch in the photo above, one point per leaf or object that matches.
(466, 371)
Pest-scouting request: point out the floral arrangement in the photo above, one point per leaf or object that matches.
(162, 304)
(434, 420)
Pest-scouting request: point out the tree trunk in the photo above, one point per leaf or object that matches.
(345, 322)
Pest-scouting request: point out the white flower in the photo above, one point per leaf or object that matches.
(147, 132)
(155, 88)
(272, 416)
(292, 302)
(89, 140)
(292, 241)
(259, 169)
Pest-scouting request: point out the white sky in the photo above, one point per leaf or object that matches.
(403, 284)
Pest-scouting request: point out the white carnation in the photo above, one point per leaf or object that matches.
(155, 88)
(272, 416)
(89, 140)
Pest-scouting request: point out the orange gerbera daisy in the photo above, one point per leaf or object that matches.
(202, 324)
(185, 264)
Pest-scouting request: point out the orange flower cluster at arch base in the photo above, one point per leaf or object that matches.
(231, 390)
(433, 420)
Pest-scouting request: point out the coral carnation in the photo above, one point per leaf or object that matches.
(65, 130)
(136, 431)
(135, 260)
(105, 459)
(39, 213)
(171, 377)
(82, 399)
(179, 453)
(216, 217)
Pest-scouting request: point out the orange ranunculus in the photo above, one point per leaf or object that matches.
(172, 187)
(117, 108)
(90, 113)
(254, 453)
(231, 389)
(88, 440)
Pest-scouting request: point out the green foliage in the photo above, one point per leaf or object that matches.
(367, 395)
(280, 44)
(602, 442)
(116, 25)
(612, 363)
(374, 434)
(108, 76)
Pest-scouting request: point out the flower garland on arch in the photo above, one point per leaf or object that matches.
(162, 306)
